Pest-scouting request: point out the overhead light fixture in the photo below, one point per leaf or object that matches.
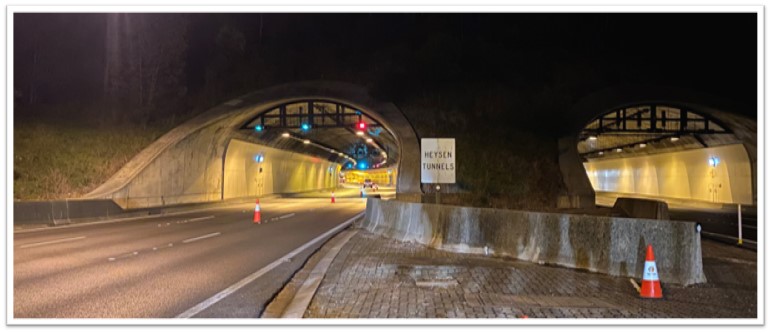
(369, 140)
(618, 150)
(359, 133)
(642, 145)
(285, 134)
(602, 153)
(306, 141)
(332, 151)
(592, 138)
(674, 138)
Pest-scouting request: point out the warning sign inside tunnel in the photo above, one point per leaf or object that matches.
(437, 161)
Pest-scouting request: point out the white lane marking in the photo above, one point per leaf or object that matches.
(52, 242)
(190, 240)
(729, 237)
(199, 219)
(286, 216)
(240, 284)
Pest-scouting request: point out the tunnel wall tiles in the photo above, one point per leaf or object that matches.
(682, 175)
(609, 245)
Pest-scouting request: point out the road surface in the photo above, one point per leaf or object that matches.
(162, 267)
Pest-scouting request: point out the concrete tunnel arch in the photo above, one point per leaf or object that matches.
(187, 164)
(580, 192)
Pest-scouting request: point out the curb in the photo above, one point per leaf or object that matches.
(302, 299)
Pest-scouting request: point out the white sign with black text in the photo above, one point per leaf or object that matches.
(437, 161)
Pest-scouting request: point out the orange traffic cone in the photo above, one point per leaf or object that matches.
(333, 197)
(651, 288)
(257, 215)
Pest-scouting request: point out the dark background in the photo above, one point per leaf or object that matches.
(532, 59)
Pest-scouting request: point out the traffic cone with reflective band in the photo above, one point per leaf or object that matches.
(333, 197)
(651, 288)
(257, 217)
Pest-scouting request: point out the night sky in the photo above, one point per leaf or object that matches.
(203, 59)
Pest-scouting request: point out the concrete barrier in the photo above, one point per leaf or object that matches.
(641, 208)
(610, 245)
(62, 211)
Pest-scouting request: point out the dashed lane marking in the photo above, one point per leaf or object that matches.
(190, 240)
(25, 246)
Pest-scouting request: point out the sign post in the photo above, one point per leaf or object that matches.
(437, 162)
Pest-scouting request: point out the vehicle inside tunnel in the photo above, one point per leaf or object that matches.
(665, 152)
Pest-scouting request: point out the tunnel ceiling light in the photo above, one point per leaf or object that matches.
(601, 153)
(285, 134)
(642, 145)
(592, 138)
(369, 140)
(359, 133)
(674, 138)
(332, 151)
(306, 141)
(618, 150)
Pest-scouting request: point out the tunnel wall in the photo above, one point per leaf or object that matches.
(680, 175)
(610, 245)
(280, 171)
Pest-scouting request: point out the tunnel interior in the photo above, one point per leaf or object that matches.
(308, 144)
(666, 152)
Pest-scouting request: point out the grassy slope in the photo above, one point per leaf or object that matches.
(67, 161)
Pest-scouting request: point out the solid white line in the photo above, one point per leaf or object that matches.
(286, 216)
(729, 237)
(51, 242)
(190, 240)
(240, 284)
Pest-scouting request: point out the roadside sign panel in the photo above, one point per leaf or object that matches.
(437, 161)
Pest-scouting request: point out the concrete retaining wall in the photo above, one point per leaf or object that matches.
(610, 245)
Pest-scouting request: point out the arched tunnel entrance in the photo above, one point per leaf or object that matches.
(659, 143)
(290, 138)
(665, 152)
(308, 144)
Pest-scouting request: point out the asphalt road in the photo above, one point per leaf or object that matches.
(161, 267)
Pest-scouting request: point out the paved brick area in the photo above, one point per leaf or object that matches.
(376, 277)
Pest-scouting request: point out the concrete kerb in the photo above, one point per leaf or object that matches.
(609, 245)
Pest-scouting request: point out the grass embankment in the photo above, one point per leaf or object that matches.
(57, 161)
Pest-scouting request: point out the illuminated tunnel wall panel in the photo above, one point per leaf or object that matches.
(282, 171)
(382, 177)
(717, 174)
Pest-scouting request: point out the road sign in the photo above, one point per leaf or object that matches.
(437, 161)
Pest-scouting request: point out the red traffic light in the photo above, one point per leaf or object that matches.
(361, 125)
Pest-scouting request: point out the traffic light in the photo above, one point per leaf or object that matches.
(361, 126)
